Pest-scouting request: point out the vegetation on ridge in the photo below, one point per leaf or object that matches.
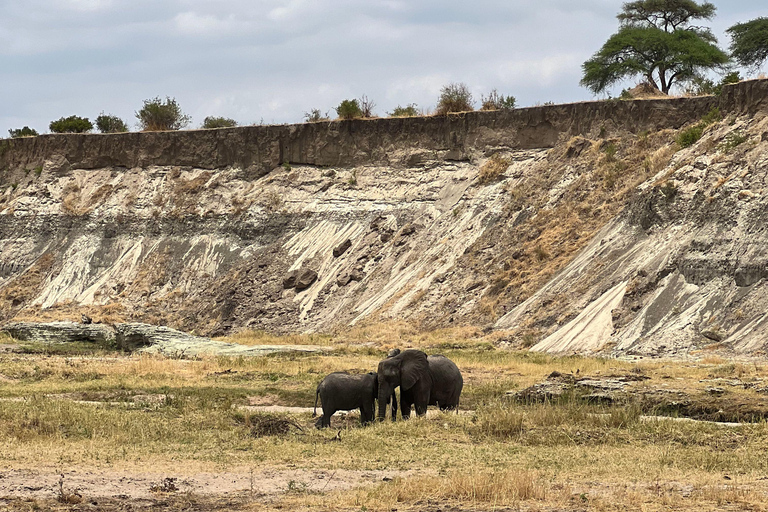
(657, 41)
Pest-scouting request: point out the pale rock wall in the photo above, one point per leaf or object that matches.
(199, 229)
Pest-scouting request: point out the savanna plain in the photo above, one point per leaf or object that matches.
(88, 428)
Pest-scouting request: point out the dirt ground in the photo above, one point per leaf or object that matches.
(89, 485)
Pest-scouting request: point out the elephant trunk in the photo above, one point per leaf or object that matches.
(385, 393)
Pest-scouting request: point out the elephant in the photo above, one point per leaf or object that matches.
(341, 391)
(423, 381)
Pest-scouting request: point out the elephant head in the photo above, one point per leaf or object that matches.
(410, 371)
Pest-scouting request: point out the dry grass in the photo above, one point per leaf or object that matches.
(24, 287)
(492, 169)
(498, 488)
(607, 174)
(173, 414)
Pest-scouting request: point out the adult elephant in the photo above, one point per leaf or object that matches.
(423, 381)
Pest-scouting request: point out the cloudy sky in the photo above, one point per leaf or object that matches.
(271, 61)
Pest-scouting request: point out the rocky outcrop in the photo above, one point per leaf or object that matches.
(683, 269)
(137, 337)
(394, 141)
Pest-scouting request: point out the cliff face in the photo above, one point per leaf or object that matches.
(474, 218)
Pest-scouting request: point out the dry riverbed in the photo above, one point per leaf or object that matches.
(102, 430)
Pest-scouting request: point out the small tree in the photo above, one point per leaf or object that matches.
(349, 109)
(107, 123)
(315, 116)
(71, 124)
(749, 43)
(23, 132)
(496, 101)
(366, 106)
(701, 86)
(218, 122)
(656, 40)
(409, 110)
(158, 115)
(455, 98)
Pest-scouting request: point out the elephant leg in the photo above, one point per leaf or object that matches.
(421, 409)
(405, 407)
(366, 413)
(326, 419)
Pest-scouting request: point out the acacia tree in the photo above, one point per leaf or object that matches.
(657, 41)
(749, 42)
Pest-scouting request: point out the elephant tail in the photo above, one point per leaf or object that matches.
(317, 393)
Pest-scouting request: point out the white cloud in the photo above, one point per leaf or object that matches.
(277, 59)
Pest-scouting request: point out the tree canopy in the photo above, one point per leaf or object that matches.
(749, 42)
(657, 41)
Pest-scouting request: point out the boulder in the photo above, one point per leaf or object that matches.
(342, 248)
(60, 332)
(289, 281)
(305, 278)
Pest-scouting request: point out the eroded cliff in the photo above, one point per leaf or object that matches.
(523, 219)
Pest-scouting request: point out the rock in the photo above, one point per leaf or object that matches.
(57, 164)
(342, 248)
(60, 332)
(577, 146)
(85, 319)
(712, 334)
(289, 281)
(140, 337)
(305, 278)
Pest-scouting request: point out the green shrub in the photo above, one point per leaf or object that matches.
(349, 109)
(315, 116)
(702, 86)
(455, 98)
(712, 117)
(23, 132)
(157, 115)
(107, 123)
(409, 110)
(690, 136)
(732, 141)
(218, 122)
(71, 124)
(496, 101)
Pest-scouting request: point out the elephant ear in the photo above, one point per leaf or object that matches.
(413, 368)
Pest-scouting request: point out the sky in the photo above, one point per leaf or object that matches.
(270, 61)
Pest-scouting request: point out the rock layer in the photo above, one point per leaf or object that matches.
(308, 227)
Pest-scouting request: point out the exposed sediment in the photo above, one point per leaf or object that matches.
(309, 227)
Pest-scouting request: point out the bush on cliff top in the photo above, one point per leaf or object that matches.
(107, 123)
(218, 122)
(71, 124)
(23, 132)
(455, 98)
(409, 110)
(496, 101)
(349, 109)
(158, 115)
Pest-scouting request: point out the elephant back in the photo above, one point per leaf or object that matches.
(447, 382)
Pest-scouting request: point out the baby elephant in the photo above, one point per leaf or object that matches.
(341, 391)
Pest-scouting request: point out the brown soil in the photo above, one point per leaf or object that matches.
(106, 489)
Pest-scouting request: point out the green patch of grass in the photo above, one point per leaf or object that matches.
(732, 141)
(690, 136)
(77, 348)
